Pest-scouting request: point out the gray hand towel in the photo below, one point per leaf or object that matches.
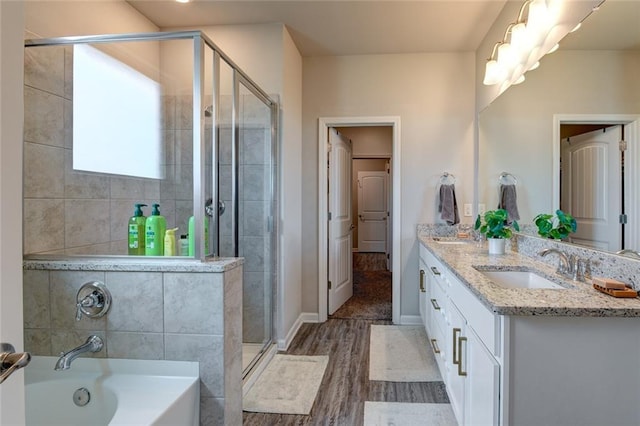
(508, 201)
(448, 206)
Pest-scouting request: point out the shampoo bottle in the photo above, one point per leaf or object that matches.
(137, 231)
(192, 234)
(184, 245)
(155, 228)
(170, 242)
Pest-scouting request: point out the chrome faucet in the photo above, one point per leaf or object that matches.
(93, 344)
(564, 266)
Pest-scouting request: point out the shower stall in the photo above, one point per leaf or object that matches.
(112, 121)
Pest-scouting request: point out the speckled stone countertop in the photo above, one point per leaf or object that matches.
(577, 299)
(126, 264)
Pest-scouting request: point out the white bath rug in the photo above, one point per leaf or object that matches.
(288, 385)
(408, 414)
(401, 353)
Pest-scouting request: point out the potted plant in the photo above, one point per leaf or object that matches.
(557, 226)
(494, 225)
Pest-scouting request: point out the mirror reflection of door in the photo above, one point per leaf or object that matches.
(372, 211)
(591, 186)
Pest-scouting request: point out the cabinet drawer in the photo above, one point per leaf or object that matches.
(484, 322)
(437, 306)
(439, 348)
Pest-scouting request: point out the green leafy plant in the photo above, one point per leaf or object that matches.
(494, 224)
(557, 226)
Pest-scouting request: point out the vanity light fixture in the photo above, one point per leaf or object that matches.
(519, 50)
(183, 1)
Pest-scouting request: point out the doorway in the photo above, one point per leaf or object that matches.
(595, 175)
(391, 240)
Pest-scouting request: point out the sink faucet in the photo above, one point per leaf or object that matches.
(93, 344)
(565, 266)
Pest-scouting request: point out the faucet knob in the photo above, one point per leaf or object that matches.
(93, 300)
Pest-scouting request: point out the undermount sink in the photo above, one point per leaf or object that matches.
(520, 279)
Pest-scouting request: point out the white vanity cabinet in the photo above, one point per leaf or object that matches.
(469, 369)
(548, 361)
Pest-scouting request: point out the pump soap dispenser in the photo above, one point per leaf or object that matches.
(136, 231)
(155, 228)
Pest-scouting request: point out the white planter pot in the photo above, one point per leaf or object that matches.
(496, 245)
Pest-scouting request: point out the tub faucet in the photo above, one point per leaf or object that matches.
(565, 266)
(93, 344)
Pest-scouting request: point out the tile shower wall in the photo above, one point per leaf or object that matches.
(185, 316)
(72, 212)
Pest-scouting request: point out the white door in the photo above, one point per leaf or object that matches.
(340, 221)
(11, 117)
(590, 187)
(372, 211)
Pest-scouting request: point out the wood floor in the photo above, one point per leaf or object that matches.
(345, 386)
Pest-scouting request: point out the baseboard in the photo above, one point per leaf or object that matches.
(410, 320)
(283, 344)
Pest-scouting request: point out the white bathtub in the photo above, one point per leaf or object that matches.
(122, 392)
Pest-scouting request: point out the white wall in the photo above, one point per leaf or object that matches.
(374, 141)
(434, 96)
(11, 117)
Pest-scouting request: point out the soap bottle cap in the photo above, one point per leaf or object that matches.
(172, 231)
(156, 210)
(138, 211)
(183, 236)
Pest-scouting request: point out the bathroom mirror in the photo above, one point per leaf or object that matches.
(593, 79)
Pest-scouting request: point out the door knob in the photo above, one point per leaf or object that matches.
(11, 361)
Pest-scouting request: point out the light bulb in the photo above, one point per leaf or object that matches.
(519, 80)
(534, 66)
(493, 73)
(554, 48)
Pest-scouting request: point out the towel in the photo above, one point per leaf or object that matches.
(508, 201)
(448, 206)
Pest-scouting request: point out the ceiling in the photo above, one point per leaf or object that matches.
(344, 27)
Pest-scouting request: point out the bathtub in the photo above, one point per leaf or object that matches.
(98, 391)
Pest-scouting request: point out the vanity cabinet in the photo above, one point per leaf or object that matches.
(563, 366)
(468, 368)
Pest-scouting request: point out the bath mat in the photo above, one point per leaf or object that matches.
(288, 385)
(408, 414)
(401, 353)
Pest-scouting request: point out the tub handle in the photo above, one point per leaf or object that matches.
(11, 361)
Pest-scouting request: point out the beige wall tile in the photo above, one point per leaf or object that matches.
(135, 345)
(78, 184)
(43, 117)
(87, 222)
(44, 68)
(35, 296)
(43, 225)
(137, 301)
(38, 341)
(193, 303)
(43, 171)
(64, 286)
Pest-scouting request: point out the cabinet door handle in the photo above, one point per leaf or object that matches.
(456, 360)
(435, 347)
(422, 289)
(460, 340)
(435, 270)
(434, 302)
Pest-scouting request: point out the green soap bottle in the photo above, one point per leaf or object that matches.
(192, 233)
(155, 228)
(136, 232)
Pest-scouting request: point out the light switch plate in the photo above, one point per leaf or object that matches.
(467, 210)
(481, 208)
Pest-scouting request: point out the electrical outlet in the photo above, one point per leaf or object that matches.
(467, 210)
(482, 208)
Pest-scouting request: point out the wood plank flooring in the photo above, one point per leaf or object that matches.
(345, 386)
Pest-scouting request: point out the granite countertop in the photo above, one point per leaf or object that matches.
(130, 264)
(577, 299)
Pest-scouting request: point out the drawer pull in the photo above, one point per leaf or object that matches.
(434, 302)
(434, 345)
(435, 270)
(422, 289)
(460, 340)
(456, 360)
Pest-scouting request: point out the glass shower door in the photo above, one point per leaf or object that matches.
(253, 237)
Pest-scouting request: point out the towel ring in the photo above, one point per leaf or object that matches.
(447, 179)
(504, 178)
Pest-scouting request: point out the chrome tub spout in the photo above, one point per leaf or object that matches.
(93, 344)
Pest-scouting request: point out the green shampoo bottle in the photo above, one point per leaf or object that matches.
(137, 231)
(155, 228)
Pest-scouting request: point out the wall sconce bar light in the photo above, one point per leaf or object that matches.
(524, 42)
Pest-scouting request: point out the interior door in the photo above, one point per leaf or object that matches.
(590, 187)
(340, 221)
(372, 212)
